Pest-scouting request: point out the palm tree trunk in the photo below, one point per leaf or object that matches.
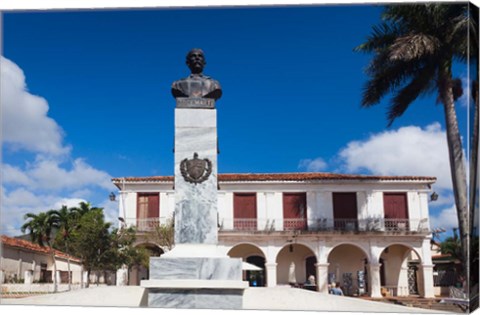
(55, 284)
(474, 184)
(474, 154)
(457, 164)
(68, 266)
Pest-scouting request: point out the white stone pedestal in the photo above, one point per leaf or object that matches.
(196, 203)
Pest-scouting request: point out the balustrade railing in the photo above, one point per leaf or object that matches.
(372, 225)
(245, 224)
(294, 224)
(365, 225)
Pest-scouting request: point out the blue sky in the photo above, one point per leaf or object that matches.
(95, 102)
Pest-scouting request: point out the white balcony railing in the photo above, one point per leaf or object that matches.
(367, 225)
(371, 225)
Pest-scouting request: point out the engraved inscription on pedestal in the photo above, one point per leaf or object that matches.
(195, 102)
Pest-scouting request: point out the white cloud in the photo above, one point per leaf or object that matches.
(50, 174)
(408, 150)
(53, 177)
(446, 218)
(312, 165)
(466, 98)
(25, 124)
(69, 202)
(14, 175)
(21, 198)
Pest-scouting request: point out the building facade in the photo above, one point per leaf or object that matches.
(359, 231)
(26, 262)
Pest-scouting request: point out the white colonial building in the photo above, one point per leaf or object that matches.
(371, 234)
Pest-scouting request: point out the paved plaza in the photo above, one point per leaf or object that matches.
(279, 298)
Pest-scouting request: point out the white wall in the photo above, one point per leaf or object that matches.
(270, 203)
(17, 261)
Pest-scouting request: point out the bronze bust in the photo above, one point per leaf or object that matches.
(196, 85)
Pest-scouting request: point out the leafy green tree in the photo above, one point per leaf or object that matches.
(163, 234)
(414, 48)
(40, 228)
(125, 252)
(91, 240)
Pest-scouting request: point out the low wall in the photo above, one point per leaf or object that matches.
(35, 287)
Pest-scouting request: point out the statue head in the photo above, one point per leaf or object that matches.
(196, 60)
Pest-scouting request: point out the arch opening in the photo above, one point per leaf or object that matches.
(348, 266)
(255, 258)
(295, 264)
(400, 270)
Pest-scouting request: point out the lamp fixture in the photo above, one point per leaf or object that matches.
(433, 196)
(112, 196)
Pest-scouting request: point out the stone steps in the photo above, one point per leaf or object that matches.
(432, 304)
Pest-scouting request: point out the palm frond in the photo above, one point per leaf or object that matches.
(382, 36)
(423, 83)
(414, 46)
(387, 76)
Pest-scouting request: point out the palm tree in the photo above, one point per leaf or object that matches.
(414, 49)
(452, 246)
(40, 230)
(82, 209)
(63, 221)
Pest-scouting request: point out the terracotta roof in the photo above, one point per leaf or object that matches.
(23, 244)
(294, 177)
(441, 256)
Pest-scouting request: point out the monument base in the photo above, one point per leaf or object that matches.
(195, 282)
(211, 294)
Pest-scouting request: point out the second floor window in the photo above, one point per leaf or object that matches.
(245, 211)
(345, 212)
(396, 211)
(294, 211)
(148, 210)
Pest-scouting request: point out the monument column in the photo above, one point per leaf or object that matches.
(195, 274)
(195, 175)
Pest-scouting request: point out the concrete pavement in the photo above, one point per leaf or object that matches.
(278, 298)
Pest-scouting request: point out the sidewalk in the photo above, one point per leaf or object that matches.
(278, 298)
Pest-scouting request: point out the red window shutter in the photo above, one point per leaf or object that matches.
(148, 205)
(345, 205)
(154, 206)
(245, 206)
(395, 205)
(294, 205)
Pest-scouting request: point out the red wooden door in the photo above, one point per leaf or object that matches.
(345, 211)
(148, 211)
(295, 211)
(245, 211)
(396, 211)
(395, 205)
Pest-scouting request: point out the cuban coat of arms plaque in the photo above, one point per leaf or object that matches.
(195, 170)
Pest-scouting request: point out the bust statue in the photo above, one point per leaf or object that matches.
(196, 85)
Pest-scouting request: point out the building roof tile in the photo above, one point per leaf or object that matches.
(24, 244)
(281, 177)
